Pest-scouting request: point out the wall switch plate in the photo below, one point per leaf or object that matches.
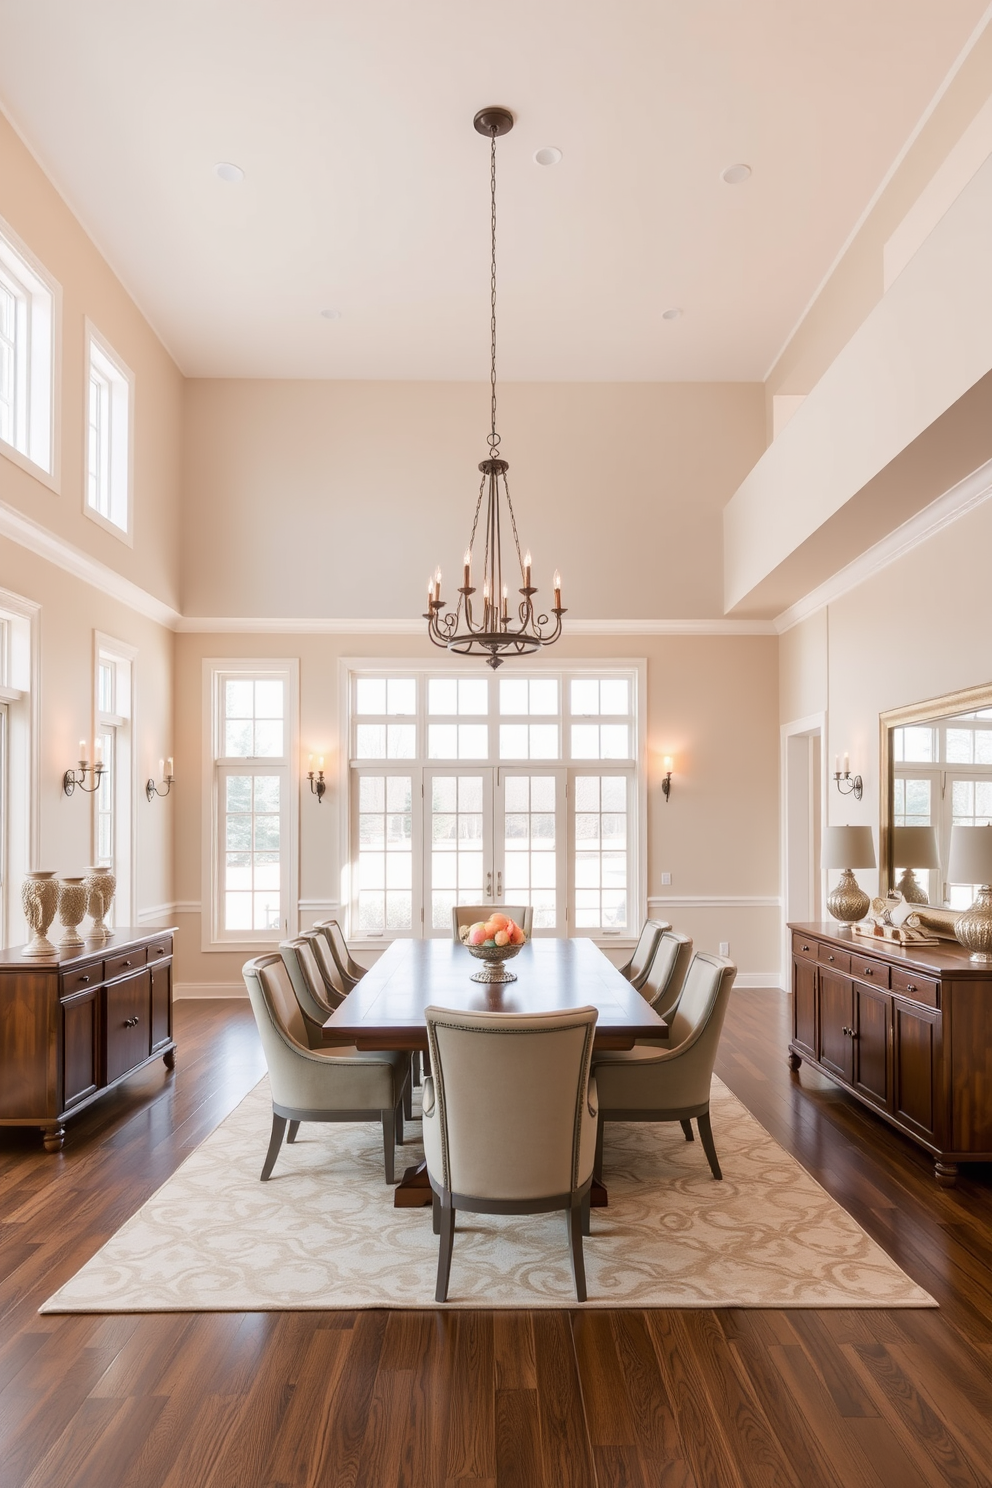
(666, 878)
(725, 948)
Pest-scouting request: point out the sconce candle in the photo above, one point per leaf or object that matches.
(318, 784)
(666, 784)
(72, 778)
(165, 770)
(847, 784)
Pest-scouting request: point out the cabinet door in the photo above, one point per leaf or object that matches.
(80, 1047)
(872, 1042)
(128, 1024)
(836, 1019)
(161, 974)
(916, 1034)
(804, 1005)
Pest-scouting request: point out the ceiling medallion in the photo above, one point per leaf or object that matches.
(493, 633)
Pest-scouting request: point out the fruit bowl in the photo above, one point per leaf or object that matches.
(492, 958)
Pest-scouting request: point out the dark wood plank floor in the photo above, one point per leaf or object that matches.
(852, 1399)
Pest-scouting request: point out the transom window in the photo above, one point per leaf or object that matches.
(108, 437)
(28, 305)
(492, 790)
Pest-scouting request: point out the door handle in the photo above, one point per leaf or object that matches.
(489, 884)
(499, 883)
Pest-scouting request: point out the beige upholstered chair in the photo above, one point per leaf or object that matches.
(315, 998)
(510, 1120)
(467, 914)
(351, 972)
(648, 1083)
(667, 973)
(639, 965)
(336, 1084)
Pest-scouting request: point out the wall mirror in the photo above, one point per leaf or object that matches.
(936, 772)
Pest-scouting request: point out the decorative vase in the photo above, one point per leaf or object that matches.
(974, 927)
(101, 885)
(848, 902)
(911, 889)
(39, 898)
(492, 957)
(73, 898)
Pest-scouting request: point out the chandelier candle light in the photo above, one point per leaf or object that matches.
(492, 631)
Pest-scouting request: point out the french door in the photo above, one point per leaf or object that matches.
(494, 835)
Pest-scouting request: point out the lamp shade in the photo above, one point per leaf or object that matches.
(971, 855)
(849, 847)
(915, 847)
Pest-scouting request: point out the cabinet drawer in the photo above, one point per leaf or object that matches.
(160, 948)
(830, 956)
(116, 966)
(128, 1024)
(876, 972)
(920, 989)
(86, 976)
(802, 945)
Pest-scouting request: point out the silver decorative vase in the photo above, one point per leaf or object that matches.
(73, 898)
(492, 958)
(848, 902)
(101, 885)
(39, 899)
(974, 927)
(910, 888)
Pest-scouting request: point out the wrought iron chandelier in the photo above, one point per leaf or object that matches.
(493, 633)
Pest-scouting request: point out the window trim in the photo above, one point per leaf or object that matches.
(123, 657)
(123, 376)
(571, 666)
(50, 477)
(214, 668)
(21, 691)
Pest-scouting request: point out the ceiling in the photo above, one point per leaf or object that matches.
(366, 186)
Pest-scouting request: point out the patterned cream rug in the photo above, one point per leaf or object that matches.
(323, 1233)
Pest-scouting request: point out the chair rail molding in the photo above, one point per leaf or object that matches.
(715, 901)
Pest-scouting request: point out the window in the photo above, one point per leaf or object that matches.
(942, 777)
(108, 437)
(28, 310)
(253, 851)
(112, 814)
(520, 789)
(19, 804)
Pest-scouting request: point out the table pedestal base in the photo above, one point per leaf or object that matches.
(414, 1190)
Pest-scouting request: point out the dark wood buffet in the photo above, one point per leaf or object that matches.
(907, 1031)
(75, 1025)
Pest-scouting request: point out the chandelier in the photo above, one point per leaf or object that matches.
(489, 629)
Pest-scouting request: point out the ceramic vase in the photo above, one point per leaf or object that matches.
(101, 885)
(73, 898)
(39, 898)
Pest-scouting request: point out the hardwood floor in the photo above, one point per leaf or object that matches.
(852, 1399)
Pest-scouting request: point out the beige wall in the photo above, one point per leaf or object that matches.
(622, 486)
(39, 216)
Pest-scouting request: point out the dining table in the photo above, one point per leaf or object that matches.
(385, 1009)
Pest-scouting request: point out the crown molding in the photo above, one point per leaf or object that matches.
(955, 503)
(283, 625)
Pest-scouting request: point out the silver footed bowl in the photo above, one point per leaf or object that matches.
(492, 958)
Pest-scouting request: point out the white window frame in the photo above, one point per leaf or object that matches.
(215, 768)
(115, 458)
(36, 446)
(565, 669)
(20, 694)
(119, 722)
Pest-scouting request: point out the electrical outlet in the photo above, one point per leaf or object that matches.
(725, 948)
(666, 878)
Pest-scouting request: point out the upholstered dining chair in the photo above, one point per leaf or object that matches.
(637, 968)
(464, 915)
(333, 1084)
(648, 1083)
(317, 1001)
(350, 970)
(666, 977)
(510, 1121)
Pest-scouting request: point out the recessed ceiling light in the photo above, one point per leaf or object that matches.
(548, 155)
(675, 313)
(331, 314)
(225, 171)
(735, 174)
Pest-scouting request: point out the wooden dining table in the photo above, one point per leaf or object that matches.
(386, 1008)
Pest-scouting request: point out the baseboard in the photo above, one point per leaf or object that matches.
(772, 979)
(186, 990)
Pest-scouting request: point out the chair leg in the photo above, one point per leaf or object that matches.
(275, 1142)
(597, 1164)
(447, 1232)
(687, 1128)
(586, 1212)
(389, 1142)
(706, 1134)
(294, 1127)
(408, 1097)
(574, 1216)
(436, 1214)
(426, 1066)
(415, 1077)
(399, 1122)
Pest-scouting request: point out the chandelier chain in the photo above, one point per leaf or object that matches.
(493, 436)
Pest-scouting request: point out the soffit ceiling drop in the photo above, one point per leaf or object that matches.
(364, 192)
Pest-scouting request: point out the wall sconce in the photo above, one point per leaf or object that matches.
(72, 778)
(165, 770)
(847, 784)
(666, 784)
(318, 784)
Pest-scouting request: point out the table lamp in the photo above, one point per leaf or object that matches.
(971, 863)
(848, 848)
(914, 847)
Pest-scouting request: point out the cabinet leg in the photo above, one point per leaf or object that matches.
(795, 1060)
(946, 1173)
(169, 1059)
(54, 1136)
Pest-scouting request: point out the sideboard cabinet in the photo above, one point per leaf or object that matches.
(75, 1025)
(907, 1031)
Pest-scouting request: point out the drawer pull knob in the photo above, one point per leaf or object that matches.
(84, 980)
(805, 947)
(132, 1022)
(910, 987)
(125, 963)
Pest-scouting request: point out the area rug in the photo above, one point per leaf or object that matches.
(323, 1233)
